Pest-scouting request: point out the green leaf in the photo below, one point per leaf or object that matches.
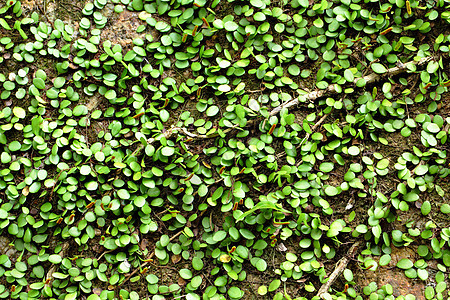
(14, 146)
(219, 235)
(331, 191)
(91, 185)
(228, 155)
(123, 194)
(353, 150)
(294, 70)
(405, 264)
(348, 75)
(235, 292)
(291, 257)
(231, 26)
(39, 83)
(138, 5)
(197, 263)
(326, 167)
(157, 172)
(261, 265)
(165, 240)
(259, 16)
(429, 292)
(421, 170)
(383, 164)
(110, 94)
(432, 67)
(422, 274)
(19, 112)
(35, 187)
(445, 208)
(423, 250)
(4, 24)
(59, 82)
(139, 201)
(71, 296)
(411, 273)
(348, 275)
(378, 68)
(212, 111)
(224, 88)
(329, 55)
(167, 151)
(385, 260)
(80, 110)
(258, 3)
(304, 3)
(185, 274)
(55, 259)
(262, 290)
(202, 190)
(432, 127)
(274, 285)
(91, 48)
(164, 115)
(425, 208)
(411, 196)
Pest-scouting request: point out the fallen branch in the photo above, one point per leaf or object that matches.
(341, 265)
(147, 260)
(331, 89)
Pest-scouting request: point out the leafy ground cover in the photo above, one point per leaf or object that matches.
(199, 149)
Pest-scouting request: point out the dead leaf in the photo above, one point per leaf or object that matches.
(281, 247)
(225, 258)
(143, 245)
(175, 258)
(181, 281)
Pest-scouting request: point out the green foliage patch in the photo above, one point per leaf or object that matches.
(228, 138)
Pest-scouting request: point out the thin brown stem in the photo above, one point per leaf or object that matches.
(341, 265)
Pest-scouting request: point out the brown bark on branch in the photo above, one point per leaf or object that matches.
(341, 265)
(331, 89)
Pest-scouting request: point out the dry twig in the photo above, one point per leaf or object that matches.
(341, 265)
(371, 78)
